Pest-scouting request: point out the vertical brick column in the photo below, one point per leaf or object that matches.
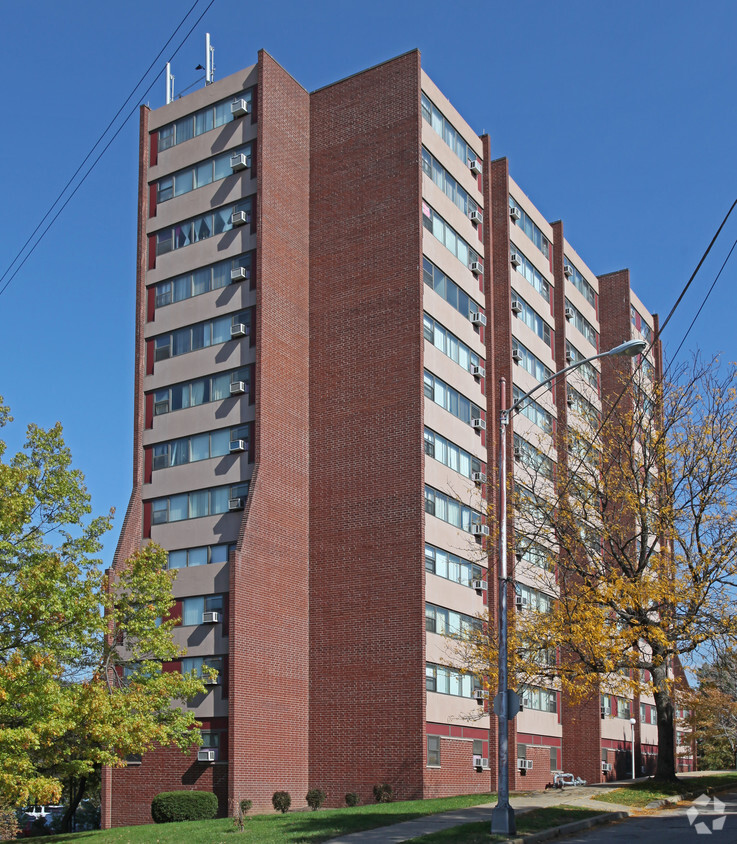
(367, 689)
(268, 659)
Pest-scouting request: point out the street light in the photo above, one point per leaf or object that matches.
(502, 816)
(633, 721)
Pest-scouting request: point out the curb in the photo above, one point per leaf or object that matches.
(569, 828)
(689, 795)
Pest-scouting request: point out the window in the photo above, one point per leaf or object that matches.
(623, 708)
(199, 447)
(201, 335)
(533, 411)
(534, 599)
(533, 457)
(193, 505)
(449, 622)
(199, 122)
(200, 391)
(447, 132)
(210, 740)
(639, 323)
(587, 370)
(197, 663)
(200, 556)
(606, 704)
(200, 281)
(449, 398)
(535, 555)
(533, 320)
(433, 751)
(450, 455)
(449, 510)
(543, 700)
(529, 362)
(199, 175)
(584, 326)
(582, 406)
(442, 178)
(531, 229)
(449, 681)
(450, 566)
(199, 228)
(449, 290)
(449, 344)
(193, 608)
(532, 274)
(580, 283)
(448, 236)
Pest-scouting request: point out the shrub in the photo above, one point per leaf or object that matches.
(352, 799)
(244, 807)
(315, 798)
(281, 801)
(8, 825)
(170, 806)
(383, 793)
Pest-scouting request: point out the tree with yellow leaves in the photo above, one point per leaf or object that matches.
(633, 547)
(81, 684)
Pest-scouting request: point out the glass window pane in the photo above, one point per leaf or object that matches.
(219, 443)
(192, 609)
(221, 330)
(200, 447)
(184, 128)
(197, 556)
(219, 554)
(203, 121)
(183, 182)
(222, 113)
(177, 559)
(203, 174)
(203, 228)
(182, 340)
(198, 504)
(219, 500)
(177, 508)
(222, 167)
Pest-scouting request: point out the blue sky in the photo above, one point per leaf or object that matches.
(618, 119)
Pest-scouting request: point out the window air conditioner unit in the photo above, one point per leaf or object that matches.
(478, 585)
(515, 259)
(524, 764)
(480, 762)
(239, 274)
(476, 217)
(480, 694)
(474, 166)
(517, 452)
(235, 504)
(480, 530)
(569, 357)
(237, 388)
(477, 318)
(478, 477)
(568, 313)
(236, 446)
(239, 161)
(476, 267)
(516, 306)
(515, 214)
(206, 755)
(478, 371)
(567, 270)
(239, 108)
(210, 617)
(516, 356)
(238, 330)
(606, 767)
(239, 218)
(479, 424)
(569, 401)
(520, 601)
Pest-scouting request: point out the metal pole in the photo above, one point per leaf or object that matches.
(632, 723)
(502, 815)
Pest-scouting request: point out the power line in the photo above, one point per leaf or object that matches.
(94, 147)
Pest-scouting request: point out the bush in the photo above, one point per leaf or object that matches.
(352, 799)
(315, 798)
(383, 793)
(170, 806)
(281, 801)
(8, 825)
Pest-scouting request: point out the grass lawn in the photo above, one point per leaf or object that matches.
(533, 821)
(640, 794)
(311, 827)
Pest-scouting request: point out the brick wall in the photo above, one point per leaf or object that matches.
(539, 775)
(268, 661)
(165, 769)
(456, 775)
(367, 695)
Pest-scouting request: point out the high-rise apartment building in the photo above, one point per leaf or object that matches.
(330, 286)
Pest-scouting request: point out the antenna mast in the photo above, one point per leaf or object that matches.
(169, 84)
(209, 61)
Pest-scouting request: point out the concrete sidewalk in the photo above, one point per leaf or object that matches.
(580, 796)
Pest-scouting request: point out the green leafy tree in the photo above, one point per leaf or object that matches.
(81, 684)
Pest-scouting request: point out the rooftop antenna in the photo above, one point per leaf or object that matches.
(169, 84)
(209, 61)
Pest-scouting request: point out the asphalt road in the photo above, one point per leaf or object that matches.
(671, 826)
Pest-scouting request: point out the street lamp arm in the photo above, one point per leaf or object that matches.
(630, 348)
